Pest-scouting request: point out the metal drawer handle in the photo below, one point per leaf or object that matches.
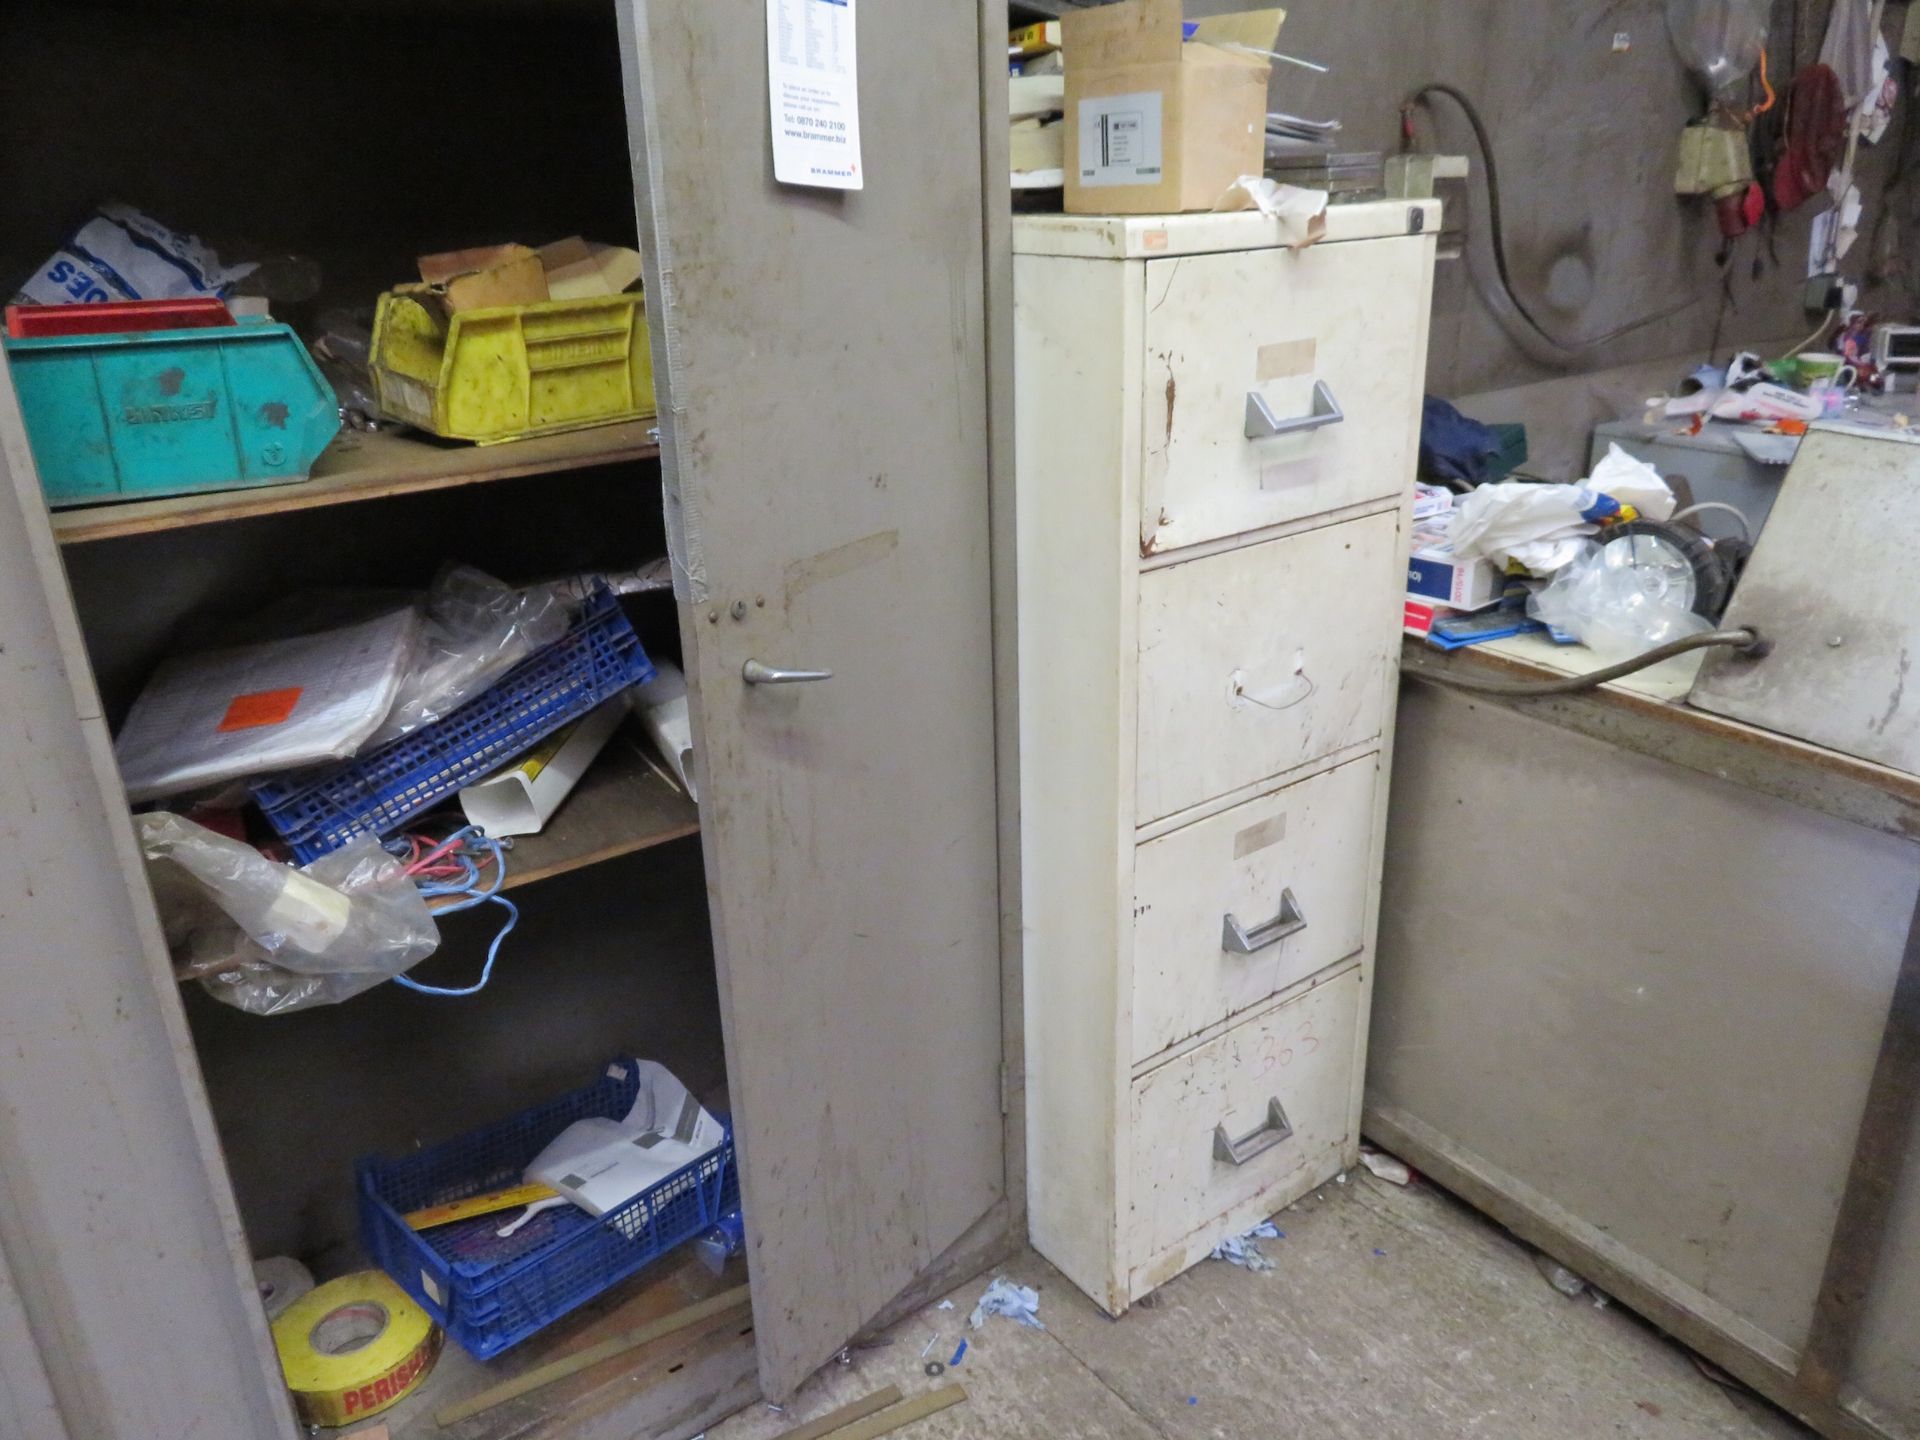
(1258, 1141)
(755, 673)
(1236, 939)
(1262, 422)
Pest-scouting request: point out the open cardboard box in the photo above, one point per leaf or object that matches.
(1158, 120)
(495, 275)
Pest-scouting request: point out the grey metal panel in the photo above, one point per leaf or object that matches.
(1712, 463)
(1006, 596)
(27, 1408)
(1830, 586)
(1652, 996)
(1886, 1363)
(116, 1223)
(823, 371)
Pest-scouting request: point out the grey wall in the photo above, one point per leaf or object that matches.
(1586, 141)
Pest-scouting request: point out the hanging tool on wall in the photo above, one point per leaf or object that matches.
(1722, 41)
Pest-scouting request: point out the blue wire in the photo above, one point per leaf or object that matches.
(469, 886)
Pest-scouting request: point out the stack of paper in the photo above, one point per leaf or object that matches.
(1036, 103)
(601, 1164)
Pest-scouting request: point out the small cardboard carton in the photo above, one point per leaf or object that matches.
(1162, 116)
(578, 269)
(484, 278)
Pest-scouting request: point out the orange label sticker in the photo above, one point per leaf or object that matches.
(262, 707)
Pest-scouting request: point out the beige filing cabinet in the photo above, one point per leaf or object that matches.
(827, 955)
(1214, 442)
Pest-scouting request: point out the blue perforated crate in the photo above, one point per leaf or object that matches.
(490, 1293)
(318, 810)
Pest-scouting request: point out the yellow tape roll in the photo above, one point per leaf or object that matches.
(353, 1347)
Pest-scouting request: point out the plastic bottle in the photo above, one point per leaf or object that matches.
(722, 1242)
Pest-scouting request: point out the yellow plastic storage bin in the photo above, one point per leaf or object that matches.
(514, 371)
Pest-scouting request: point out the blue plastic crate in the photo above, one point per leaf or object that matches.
(490, 1293)
(319, 810)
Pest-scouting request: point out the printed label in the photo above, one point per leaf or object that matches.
(1120, 139)
(1255, 838)
(262, 707)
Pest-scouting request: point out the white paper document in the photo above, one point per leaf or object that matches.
(601, 1164)
(225, 714)
(813, 83)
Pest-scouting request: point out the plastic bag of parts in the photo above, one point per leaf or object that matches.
(121, 254)
(476, 629)
(641, 579)
(269, 938)
(1720, 40)
(1613, 606)
(343, 349)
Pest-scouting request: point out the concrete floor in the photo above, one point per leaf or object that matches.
(1391, 1312)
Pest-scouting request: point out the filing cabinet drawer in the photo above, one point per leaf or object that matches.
(1263, 659)
(1246, 1123)
(1323, 345)
(1233, 909)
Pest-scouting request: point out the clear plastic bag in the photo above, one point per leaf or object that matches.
(476, 629)
(292, 938)
(1720, 40)
(1615, 609)
(343, 349)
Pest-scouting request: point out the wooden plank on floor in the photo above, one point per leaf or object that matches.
(845, 1415)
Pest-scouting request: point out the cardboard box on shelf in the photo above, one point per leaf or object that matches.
(580, 269)
(1163, 117)
(489, 276)
(482, 278)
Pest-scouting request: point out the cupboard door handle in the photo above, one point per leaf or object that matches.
(755, 673)
(1262, 422)
(1236, 939)
(1258, 1141)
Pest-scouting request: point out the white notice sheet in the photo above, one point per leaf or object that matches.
(813, 81)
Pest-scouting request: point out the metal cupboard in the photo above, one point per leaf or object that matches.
(829, 432)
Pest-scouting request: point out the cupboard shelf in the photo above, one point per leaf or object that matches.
(621, 805)
(368, 465)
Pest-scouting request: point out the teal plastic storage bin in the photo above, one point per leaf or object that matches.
(133, 417)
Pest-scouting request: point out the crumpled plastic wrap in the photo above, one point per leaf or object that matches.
(269, 938)
(1541, 527)
(1302, 213)
(1720, 40)
(476, 628)
(1618, 611)
(1244, 1250)
(1015, 1302)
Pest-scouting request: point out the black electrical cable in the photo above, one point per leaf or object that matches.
(1497, 231)
(1744, 642)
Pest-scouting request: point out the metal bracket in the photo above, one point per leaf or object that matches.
(1236, 939)
(1262, 423)
(1278, 1128)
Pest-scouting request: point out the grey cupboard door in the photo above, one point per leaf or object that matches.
(121, 1259)
(822, 361)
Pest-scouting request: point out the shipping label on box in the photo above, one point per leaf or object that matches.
(1120, 139)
